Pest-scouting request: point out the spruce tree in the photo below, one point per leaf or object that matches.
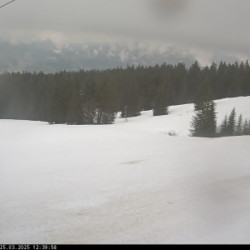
(204, 122)
(161, 100)
(203, 95)
(132, 100)
(231, 128)
(89, 103)
(223, 127)
(239, 128)
(107, 100)
(74, 115)
(246, 127)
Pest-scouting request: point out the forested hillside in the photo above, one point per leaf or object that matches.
(93, 97)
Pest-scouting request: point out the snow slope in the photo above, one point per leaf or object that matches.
(125, 183)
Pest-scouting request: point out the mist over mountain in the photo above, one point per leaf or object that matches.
(47, 57)
(96, 34)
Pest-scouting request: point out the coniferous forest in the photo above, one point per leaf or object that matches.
(94, 97)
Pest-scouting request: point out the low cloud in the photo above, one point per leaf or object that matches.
(204, 28)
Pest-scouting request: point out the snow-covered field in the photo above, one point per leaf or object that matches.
(125, 183)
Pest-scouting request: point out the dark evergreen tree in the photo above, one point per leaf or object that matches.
(246, 127)
(204, 122)
(107, 100)
(131, 100)
(193, 80)
(239, 127)
(224, 127)
(203, 95)
(231, 127)
(178, 79)
(161, 100)
(59, 98)
(74, 114)
(89, 103)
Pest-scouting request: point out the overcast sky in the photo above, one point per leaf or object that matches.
(205, 28)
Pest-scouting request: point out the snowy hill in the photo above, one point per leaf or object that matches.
(180, 117)
(125, 183)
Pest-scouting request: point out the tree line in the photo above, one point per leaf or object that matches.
(94, 97)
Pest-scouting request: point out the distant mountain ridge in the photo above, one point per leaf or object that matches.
(47, 57)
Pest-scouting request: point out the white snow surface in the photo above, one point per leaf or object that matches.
(125, 183)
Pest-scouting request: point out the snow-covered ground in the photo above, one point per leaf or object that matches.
(125, 183)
